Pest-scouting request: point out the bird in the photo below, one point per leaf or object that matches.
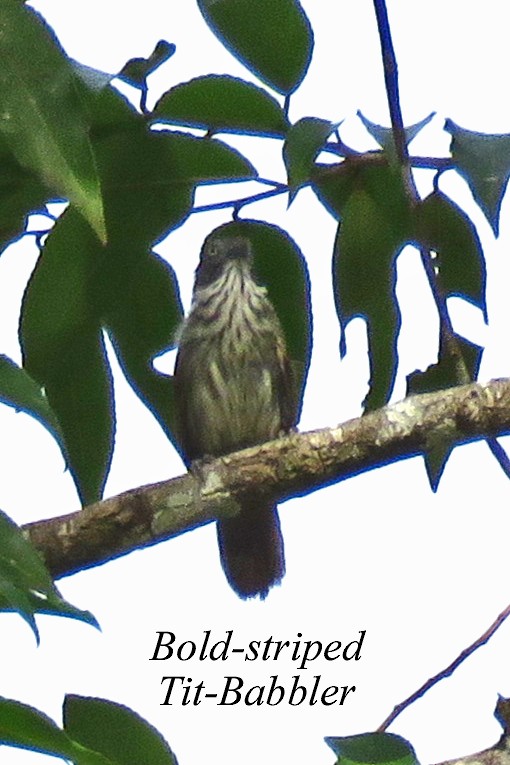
(234, 388)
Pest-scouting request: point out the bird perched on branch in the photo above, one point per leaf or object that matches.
(234, 389)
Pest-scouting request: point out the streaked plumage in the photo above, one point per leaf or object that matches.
(233, 390)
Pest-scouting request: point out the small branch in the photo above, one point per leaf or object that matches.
(238, 203)
(391, 81)
(274, 184)
(375, 157)
(340, 149)
(294, 465)
(450, 669)
(432, 163)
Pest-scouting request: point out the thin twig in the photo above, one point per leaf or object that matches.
(391, 80)
(238, 203)
(341, 149)
(450, 669)
(274, 184)
(432, 163)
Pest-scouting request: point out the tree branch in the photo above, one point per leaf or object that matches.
(449, 670)
(296, 464)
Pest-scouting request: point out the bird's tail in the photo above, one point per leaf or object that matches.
(251, 549)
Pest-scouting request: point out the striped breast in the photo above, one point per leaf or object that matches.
(231, 360)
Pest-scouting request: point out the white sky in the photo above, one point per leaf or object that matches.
(423, 574)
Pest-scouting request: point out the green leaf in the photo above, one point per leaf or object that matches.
(281, 268)
(19, 390)
(116, 731)
(25, 584)
(146, 193)
(21, 192)
(25, 727)
(220, 103)
(207, 160)
(384, 136)
(14, 598)
(304, 141)
(64, 303)
(43, 119)
(483, 160)
(110, 113)
(93, 79)
(63, 348)
(136, 70)
(458, 363)
(149, 179)
(143, 198)
(142, 323)
(79, 287)
(375, 224)
(443, 227)
(436, 456)
(273, 38)
(373, 749)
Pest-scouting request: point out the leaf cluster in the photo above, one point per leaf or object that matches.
(130, 180)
